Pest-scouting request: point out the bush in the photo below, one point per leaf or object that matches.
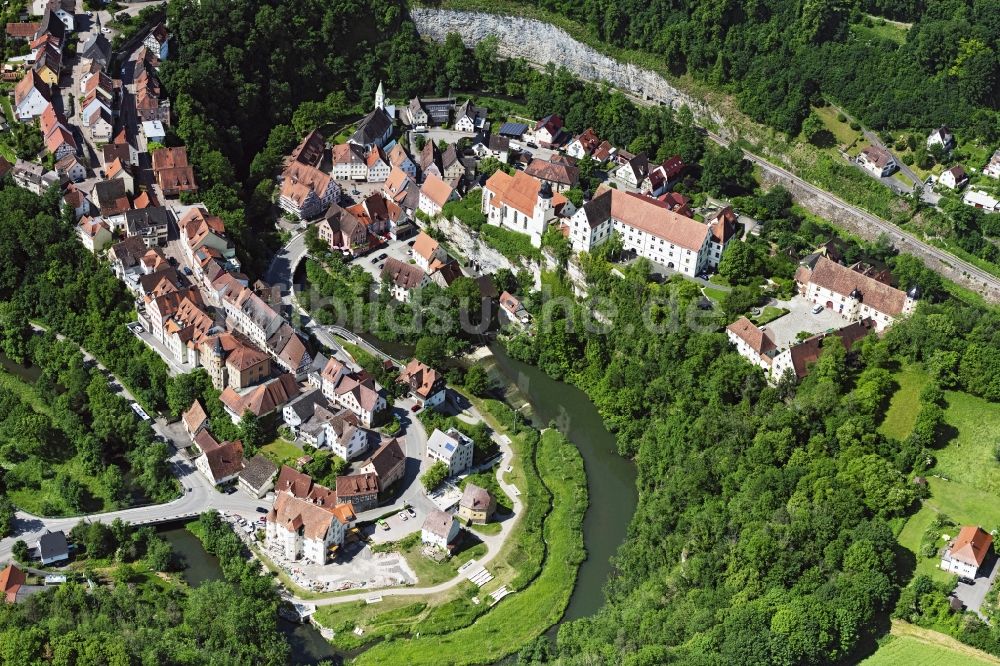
(434, 476)
(855, 125)
(510, 244)
(841, 118)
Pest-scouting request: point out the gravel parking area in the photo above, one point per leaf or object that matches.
(800, 318)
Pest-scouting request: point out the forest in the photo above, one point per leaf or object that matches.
(144, 620)
(763, 528)
(48, 276)
(778, 56)
(69, 444)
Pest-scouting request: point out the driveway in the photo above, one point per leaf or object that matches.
(973, 595)
(800, 318)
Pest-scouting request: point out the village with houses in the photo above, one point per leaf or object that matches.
(381, 199)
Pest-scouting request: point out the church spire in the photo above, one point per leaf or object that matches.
(380, 97)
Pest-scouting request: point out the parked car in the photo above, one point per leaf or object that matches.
(384, 525)
(415, 408)
(382, 256)
(262, 509)
(409, 510)
(230, 490)
(531, 144)
(402, 515)
(374, 260)
(966, 580)
(410, 243)
(817, 309)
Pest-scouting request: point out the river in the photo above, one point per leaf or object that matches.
(610, 478)
(307, 645)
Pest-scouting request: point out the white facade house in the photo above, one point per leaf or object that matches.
(634, 171)
(377, 166)
(434, 194)
(303, 529)
(439, 529)
(347, 441)
(992, 168)
(982, 200)
(943, 137)
(645, 227)
(967, 551)
(877, 162)
(349, 162)
(520, 203)
(354, 391)
(452, 448)
(853, 295)
(953, 178)
(30, 97)
(427, 385)
(402, 279)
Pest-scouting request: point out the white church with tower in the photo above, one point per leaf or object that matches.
(375, 129)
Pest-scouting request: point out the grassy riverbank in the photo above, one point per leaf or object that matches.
(554, 496)
(529, 612)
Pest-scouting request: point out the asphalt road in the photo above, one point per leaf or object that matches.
(198, 496)
(492, 541)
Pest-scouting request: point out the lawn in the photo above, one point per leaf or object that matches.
(963, 504)
(915, 646)
(969, 457)
(769, 314)
(392, 614)
(715, 295)
(525, 614)
(902, 413)
(965, 481)
(282, 452)
(841, 131)
(430, 572)
(880, 29)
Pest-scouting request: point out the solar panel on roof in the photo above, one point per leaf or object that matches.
(513, 129)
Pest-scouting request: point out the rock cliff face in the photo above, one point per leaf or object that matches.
(541, 43)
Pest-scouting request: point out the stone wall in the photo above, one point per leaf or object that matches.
(541, 43)
(864, 228)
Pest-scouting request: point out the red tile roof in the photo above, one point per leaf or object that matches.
(759, 340)
(11, 580)
(842, 280)
(971, 545)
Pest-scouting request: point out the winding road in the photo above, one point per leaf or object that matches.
(494, 543)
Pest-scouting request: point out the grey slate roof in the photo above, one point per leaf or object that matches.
(97, 48)
(305, 405)
(258, 471)
(52, 544)
(372, 127)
